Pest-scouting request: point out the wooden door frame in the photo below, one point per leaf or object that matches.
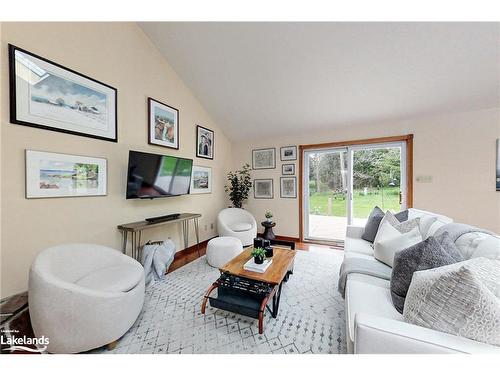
(408, 139)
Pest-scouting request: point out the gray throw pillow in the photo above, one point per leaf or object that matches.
(372, 224)
(402, 216)
(430, 253)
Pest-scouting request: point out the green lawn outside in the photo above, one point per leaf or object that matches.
(386, 199)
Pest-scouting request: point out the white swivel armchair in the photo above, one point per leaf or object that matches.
(84, 296)
(236, 222)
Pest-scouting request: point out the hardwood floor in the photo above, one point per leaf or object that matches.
(186, 256)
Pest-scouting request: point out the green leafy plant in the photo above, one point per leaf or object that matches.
(259, 252)
(269, 215)
(239, 185)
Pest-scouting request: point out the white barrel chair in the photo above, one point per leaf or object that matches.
(239, 223)
(84, 296)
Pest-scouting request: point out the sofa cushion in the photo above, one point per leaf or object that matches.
(479, 244)
(358, 245)
(461, 299)
(240, 227)
(430, 253)
(370, 295)
(372, 224)
(118, 278)
(429, 222)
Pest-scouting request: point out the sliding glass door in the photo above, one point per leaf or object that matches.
(342, 185)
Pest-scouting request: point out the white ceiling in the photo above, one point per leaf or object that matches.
(260, 79)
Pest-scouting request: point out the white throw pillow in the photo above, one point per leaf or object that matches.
(426, 222)
(392, 241)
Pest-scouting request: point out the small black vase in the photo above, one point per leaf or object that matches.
(269, 251)
(259, 259)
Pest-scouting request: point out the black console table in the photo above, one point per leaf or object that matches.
(135, 229)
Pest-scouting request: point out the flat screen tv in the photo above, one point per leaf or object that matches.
(157, 176)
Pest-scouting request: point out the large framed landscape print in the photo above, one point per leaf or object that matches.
(163, 124)
(46, 95)
(51, 175)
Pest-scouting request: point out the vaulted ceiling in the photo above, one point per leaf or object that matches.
(275, 78)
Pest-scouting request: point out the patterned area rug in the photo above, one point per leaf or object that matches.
(310, 320)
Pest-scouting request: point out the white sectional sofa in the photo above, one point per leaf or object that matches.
(373, 325)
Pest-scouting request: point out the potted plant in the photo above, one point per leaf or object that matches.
(239, 185)
(259, 254)
(269, 216)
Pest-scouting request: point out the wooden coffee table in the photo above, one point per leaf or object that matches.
(248, 293)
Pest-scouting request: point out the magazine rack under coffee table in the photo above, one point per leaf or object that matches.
(248, 293)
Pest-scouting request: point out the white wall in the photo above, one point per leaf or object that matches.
(457, 150)
(120, 55)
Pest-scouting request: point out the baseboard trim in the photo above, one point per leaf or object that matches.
(187, 255)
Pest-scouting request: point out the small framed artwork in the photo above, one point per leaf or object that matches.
(498, 165)
(47, 95)
(204, 142)
(163, 124)
(51, 175)
(288, 169)
(288, 187)
(201, 180)
(263, 188)
(288, 153)
(264, 158)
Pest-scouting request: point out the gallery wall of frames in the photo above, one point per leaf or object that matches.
(50, 96)
(265, 158)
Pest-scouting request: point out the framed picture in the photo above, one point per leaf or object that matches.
(163, 124)
(288, 187)
(51, 175)
(46, 95)
(201, 180)
(263, 188)
(498, 165)
(204, 142)
(288, 153)
(288, 169)
(264, 158)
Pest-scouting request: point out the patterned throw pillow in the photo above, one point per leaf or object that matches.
(462, 299)
(430, 253)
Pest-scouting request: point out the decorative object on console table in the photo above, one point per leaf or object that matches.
(46, 95)
(201, 180)
(52, 175)
(163, 124)
(263, 188)
(264, 158)
(288, 169)
(240, 184)
(268, 232)
(269, 216)
(205, 140)
(288, 153)
(498, 165)
(288, 187)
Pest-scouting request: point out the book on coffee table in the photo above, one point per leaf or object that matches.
(254, 267)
